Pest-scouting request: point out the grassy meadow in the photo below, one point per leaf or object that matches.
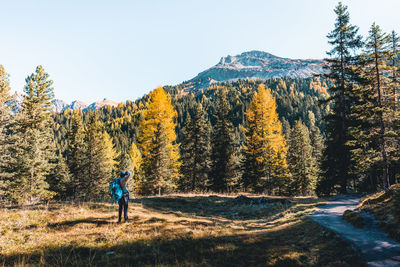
(175, 230)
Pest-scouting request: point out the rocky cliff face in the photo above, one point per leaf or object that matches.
(253, 65)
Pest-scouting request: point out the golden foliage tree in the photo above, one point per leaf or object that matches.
(110, 154)
(265, 146)
(158, 118)
(135, 158)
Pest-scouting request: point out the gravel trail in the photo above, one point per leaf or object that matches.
(376, 247)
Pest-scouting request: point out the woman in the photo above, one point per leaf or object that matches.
(123, 201)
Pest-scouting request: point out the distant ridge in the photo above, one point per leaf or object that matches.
(60, 105)
(254, 65)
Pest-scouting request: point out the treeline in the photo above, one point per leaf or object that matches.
(227, 138)
(362, 152)
(296, 99)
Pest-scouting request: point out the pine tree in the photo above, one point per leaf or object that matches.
(195, 150)
(223, 167)
(5, 124)
(394, 67)
(302, 164)
(159, 115)
(286, 128)
(394, 74)
(34, 150)
(373, 112)
(187, 152)
(100, 159)
(265, 146)
(59, 179)
(158, 171)
(76, 155)
(310, 121)
(336, 160)
(317, 144)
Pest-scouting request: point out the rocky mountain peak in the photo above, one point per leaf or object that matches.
(253, 65)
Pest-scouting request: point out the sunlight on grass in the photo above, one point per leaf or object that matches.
(171, 230)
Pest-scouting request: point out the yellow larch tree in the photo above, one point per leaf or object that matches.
(265, 146)
(157, 142)
(110, 154)
(135, 158)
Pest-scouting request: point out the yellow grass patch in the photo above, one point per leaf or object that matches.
(179, 230)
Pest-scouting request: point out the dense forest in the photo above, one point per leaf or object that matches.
(332, 133)
(296, 99)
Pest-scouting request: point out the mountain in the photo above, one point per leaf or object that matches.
(60, 105)
(254, 65)
(100, 104)
(77, 105)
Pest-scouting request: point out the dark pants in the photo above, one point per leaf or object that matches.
(123, 203)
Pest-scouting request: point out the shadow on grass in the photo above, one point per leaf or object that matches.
(210, 206)
(95, 221)
(302, 244)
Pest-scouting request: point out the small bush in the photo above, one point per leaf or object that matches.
(353, 218)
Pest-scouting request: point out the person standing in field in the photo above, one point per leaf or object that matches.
(121, 194)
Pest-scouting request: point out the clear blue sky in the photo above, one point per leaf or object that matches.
(123, 49)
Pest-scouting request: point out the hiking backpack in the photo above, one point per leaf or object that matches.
(116, 190)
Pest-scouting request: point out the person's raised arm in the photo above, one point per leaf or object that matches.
(124, 179)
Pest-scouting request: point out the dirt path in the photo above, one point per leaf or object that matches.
(376, 247)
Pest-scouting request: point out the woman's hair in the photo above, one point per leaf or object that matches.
(123, 174)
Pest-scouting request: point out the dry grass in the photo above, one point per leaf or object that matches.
(386, 208)
(178, 230)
